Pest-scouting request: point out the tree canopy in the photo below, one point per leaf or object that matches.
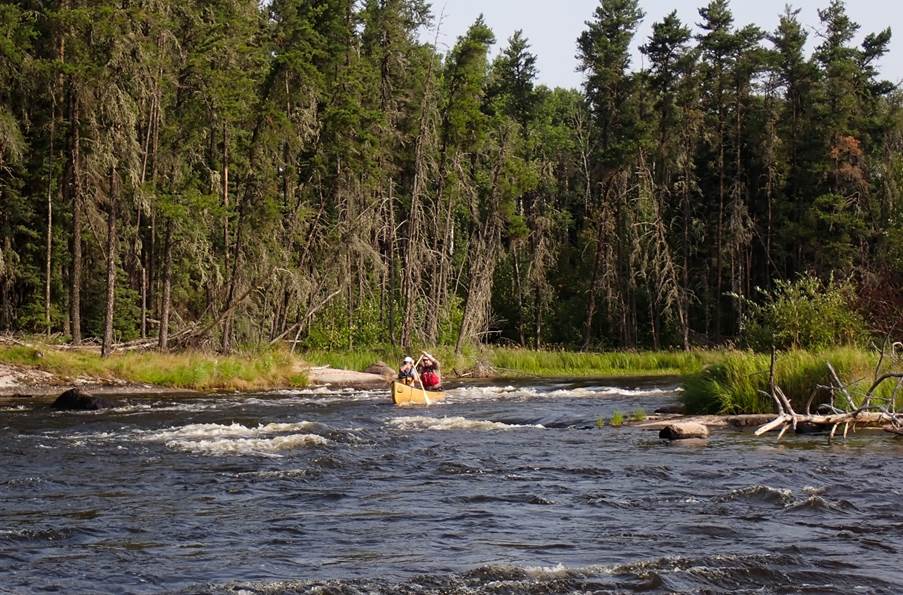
(235, 172)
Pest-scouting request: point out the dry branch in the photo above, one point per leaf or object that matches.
(850, 416)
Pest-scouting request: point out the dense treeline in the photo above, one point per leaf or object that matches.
(233, 172)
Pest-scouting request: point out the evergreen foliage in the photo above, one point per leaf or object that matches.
(236, 172)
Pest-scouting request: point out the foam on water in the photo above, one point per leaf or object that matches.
(452, 423)
(248, 446)
(15, 408)
(161, 406)
(216, 431)
(237, 439)
(526, 392)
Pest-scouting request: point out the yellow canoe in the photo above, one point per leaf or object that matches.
(404, 395)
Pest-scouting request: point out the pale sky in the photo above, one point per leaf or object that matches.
(552, 26)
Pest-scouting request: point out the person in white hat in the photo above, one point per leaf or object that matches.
(407, 373)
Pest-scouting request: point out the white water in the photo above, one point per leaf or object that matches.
(453, 423)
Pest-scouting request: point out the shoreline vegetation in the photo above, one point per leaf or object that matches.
(727, 382)
(186, 370)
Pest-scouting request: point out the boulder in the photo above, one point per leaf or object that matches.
(684, 430)
(76, 400)
(382, 369)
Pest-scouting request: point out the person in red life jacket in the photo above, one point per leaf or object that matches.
(429, 372)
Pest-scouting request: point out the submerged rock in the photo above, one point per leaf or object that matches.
(684, 430)
(75, 399)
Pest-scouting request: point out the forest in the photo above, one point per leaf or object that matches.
(228, 173)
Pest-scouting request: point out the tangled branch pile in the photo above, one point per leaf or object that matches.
(845, 408)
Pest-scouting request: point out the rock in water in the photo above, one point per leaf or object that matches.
(382, 369)
(684, 430)
(76, 400)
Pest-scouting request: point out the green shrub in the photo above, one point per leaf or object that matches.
(617, 419)
(804, 314)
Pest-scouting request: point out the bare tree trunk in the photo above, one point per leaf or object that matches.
(484, 257)
(49, 244)
(107, 346)
(720, 230)
(537, 318)
(685, 293)
(73, 189)
(519, 288)
(226, 193)
(163, 337)
(393, 265)
(593, 290)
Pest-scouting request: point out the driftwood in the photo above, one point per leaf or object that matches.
(870, 411)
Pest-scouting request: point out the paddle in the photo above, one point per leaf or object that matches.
(417, 378)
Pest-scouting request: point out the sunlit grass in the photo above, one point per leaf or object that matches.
(193, 370)
(733, 385)
(523, 362)
(513, 363)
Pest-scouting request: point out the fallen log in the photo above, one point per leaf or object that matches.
(864, 414)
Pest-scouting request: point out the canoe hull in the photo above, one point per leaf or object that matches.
(404, 395)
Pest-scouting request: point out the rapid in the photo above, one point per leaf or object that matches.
(499, 489)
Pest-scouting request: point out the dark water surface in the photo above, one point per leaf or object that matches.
(499, 490)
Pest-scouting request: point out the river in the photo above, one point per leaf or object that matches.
(504, 489)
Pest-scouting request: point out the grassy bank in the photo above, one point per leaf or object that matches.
(185, 370)
(514, 363)
(733, 384)
(520, 362)
(714, 381)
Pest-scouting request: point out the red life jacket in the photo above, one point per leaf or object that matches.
(429, 378)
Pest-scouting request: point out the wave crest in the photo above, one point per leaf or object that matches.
(452, 423)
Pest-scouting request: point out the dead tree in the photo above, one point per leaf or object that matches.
(842, 408)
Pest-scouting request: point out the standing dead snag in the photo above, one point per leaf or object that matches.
(871, 410)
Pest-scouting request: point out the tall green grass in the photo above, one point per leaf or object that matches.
(733, 385)
(510, 362)
(189, 370)
(523, 362)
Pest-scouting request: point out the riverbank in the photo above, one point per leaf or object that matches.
(29, 368)
(714, 382)
(37, 368)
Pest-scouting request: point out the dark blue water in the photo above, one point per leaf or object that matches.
(498, 490)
